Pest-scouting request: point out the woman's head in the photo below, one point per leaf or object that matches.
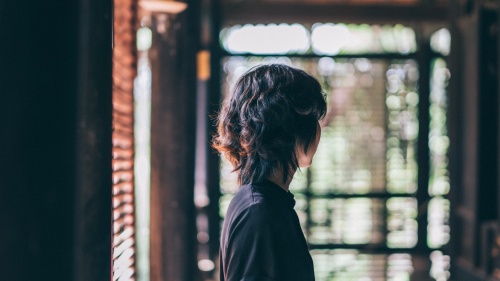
(270, 119)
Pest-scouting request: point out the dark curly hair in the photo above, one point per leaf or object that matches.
(272, 109)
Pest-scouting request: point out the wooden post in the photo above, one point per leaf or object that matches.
(173, 116)
(93, 184)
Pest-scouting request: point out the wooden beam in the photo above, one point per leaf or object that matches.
(302, 12)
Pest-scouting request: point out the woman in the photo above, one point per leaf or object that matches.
(267, 130)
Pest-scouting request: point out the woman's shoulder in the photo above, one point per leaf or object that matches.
(249, 199)
(250, 195)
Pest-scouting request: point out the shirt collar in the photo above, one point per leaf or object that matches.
(276, 190)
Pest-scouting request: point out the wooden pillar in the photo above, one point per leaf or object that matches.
(455, 131)
(464, 135)
(173, 116)
(55, 140)
(93, 183)
(474, 133)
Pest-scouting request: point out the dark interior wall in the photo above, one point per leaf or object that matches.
(38, 138)
(55, 144)
(474, 155)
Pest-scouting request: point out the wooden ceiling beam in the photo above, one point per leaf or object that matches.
(301, 12)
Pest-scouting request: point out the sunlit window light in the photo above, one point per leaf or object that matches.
(438, 228)
(266, 39)
(399, 267)
(144, 39)
(142, 123)
(439, 182)
(441, 41)
(401, 222)
(438, 221)
(344, 264)
(330, 39)
(440, 268)
(402, 106)
(320, 39)
(206, 265)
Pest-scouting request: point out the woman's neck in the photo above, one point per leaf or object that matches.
(277, 178)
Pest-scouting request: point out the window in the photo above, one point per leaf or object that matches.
(360, 203)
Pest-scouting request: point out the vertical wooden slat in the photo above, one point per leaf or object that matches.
(468, 76)
(213, 104)
(422, 195)
(454, 128)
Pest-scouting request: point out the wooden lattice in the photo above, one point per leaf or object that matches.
(124, 72)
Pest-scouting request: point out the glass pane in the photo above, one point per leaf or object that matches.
(266, 39)
(439, 182)
(438, 228)
(319, 39)
(402, 222)
(346, 221)
(332, 39)
(351, 154)
(440, 269)
(353, 265)
(441, 41)
(402, 126)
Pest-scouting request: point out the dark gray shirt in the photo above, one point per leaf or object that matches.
(261, 237)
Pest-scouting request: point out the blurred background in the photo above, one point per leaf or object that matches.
(106, 117)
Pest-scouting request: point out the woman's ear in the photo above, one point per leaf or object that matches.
(305, 158)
